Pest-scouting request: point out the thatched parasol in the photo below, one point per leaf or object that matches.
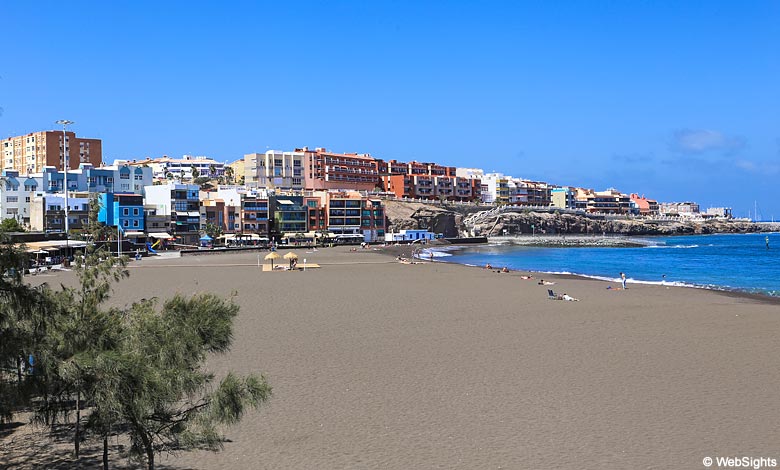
(272, 256)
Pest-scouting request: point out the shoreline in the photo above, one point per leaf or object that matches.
(728, 291)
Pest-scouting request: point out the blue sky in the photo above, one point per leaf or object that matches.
(674, 100)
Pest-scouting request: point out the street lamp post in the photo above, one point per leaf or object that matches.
(65, 123)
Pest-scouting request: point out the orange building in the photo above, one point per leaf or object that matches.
(646, 206)
(329, 170)
(30, 153)
(434, 187)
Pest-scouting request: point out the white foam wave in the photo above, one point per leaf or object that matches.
(675, 246)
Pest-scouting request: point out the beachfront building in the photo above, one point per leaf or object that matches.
(289, 215)
(245, 210)
(373, 220)
(330, 170)
(17, 192)
(180, 204)
(123, 210)
(563, 198)
(644, 206)
(719, 212)
(409, 236)
(479, 189)
(179, 169)
(682, 209)
(539, 193)
(350, 213)
(495, 188)
(275, 169)
(609, 201)
(47, 212)
(30, 153)
(518, 193)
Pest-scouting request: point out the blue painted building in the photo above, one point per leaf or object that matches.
(122, 210)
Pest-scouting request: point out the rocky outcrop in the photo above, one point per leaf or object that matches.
(468, 220)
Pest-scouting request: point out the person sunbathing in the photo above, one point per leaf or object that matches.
(526, 277)
(542, 282)
(569, 298)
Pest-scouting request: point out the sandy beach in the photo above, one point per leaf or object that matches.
(378, 364)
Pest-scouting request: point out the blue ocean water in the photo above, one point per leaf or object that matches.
(725, 261)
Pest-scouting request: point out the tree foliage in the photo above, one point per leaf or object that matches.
(212, 230)
(135, 371)
(11, 225)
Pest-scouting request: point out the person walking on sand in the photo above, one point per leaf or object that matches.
(623, 280)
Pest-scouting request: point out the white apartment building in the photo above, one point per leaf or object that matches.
(275, 169)
(179, 169)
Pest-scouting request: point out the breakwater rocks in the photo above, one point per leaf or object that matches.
(569, 241)
(471, 220)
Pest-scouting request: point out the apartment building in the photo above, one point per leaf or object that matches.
(497, 190)
(275, 169)
(17, 192)
(180, 204)
(609, 201)
(30, 153)
(644, 206)
(330, 170)
(179, 169)
(539, 193)
(47, 212)
(289, 215)
(123, 210)
(563, 198)
(245, 210)
(687, 208)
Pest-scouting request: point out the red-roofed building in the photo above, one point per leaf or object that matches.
(645, 206)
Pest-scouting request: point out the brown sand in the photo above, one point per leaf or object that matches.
(377, 364)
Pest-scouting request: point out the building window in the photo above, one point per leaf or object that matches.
(125, 211)
(135, 211)
(126, 223)
(135, 223)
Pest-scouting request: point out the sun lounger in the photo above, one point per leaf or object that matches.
(552, 295)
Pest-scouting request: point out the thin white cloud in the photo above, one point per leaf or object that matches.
(762, 168)
(699, 141)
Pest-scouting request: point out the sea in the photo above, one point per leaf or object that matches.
(738, 262)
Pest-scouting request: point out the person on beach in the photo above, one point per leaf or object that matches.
(526, 277)
(623, 280)
(569, 298)
(488, 266)
(504, 269)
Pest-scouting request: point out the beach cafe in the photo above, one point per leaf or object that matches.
(53, 251)
(243, 239)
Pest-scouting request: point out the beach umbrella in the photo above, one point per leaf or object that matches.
(272, 256)
(291, 255)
